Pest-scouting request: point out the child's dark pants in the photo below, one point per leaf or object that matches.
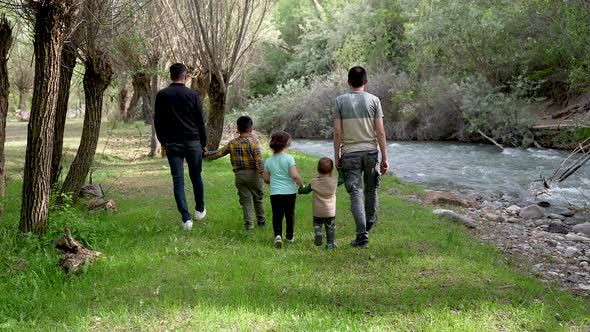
(330, 224)
(283, 205)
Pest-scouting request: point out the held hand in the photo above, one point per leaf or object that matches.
(163, 150)
(205, 152)
(338, 162)
(384, 166)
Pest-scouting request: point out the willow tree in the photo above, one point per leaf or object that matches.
(92, 38)
(69, 57)
(52, 21)
(221, 35)
(21, 70)
(6, 40)
(139, 53)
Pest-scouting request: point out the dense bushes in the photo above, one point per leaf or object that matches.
(500, 115)
(304, 107)
(437, 109)
(433, 114)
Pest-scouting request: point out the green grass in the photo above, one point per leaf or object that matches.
(420, 273)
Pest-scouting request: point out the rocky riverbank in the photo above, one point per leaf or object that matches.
(553, 240)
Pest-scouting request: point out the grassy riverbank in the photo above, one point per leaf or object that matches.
(419, 273)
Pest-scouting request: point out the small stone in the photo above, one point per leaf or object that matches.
(537, 268)
(583, 259)
(448, 198)
(452, 215)
(584, 264)
(556, 216)
(532, 212)
(574, 279)
(582, 228)
(541, 222)
(557, 228)
(570, 252)
(574, 221)
(413, 199)
(92, 190)
(564, 211)
(584, 287)
(551, 243)
(513, 220)
(490, 216)
(513, 209)
(501, 219)
(577, 238)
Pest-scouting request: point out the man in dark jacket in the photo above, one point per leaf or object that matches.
(180, 128)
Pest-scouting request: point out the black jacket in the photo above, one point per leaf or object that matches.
(179, 115)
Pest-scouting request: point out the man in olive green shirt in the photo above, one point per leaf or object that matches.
(359, 134)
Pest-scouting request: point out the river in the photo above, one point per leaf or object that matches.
(476, 168)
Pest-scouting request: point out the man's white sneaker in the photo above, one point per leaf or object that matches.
(187, 225)
(278, 243)
(200, 215)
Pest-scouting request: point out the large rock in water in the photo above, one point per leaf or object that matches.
(582, 228)
(447, 198)
(532, 212)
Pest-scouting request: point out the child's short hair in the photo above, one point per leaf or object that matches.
(325, 165)
(357, 76)
(279, 140)
(244, 123)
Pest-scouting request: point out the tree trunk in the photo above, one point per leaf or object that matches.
(69, 55)
(22, 99)
(97, 78)
(52, 24)
(217, 98)
(6, 40)
(154, 143)
(199, 85)
(132, 112)
(124, 101)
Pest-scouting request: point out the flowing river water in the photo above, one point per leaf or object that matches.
(476, 168)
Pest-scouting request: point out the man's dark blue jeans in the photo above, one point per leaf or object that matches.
(192, 151)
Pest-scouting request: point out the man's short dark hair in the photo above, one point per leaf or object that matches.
(244, 123)
(325, 165)
(357, 76)
(177, 70)
(279, 140)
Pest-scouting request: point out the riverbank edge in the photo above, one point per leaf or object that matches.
(547, 244)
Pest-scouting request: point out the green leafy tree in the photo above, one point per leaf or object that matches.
(498, 114)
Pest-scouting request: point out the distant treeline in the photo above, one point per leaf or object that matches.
(443, 69)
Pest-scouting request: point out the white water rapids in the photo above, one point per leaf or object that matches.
(476, 168)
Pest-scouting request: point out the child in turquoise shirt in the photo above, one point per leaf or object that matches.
(281, 172)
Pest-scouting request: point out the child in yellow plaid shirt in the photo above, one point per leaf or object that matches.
(246, 161)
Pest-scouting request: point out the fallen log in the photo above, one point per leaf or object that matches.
(100, 204)
(491, 140)
(75, 255)
(566, 113)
